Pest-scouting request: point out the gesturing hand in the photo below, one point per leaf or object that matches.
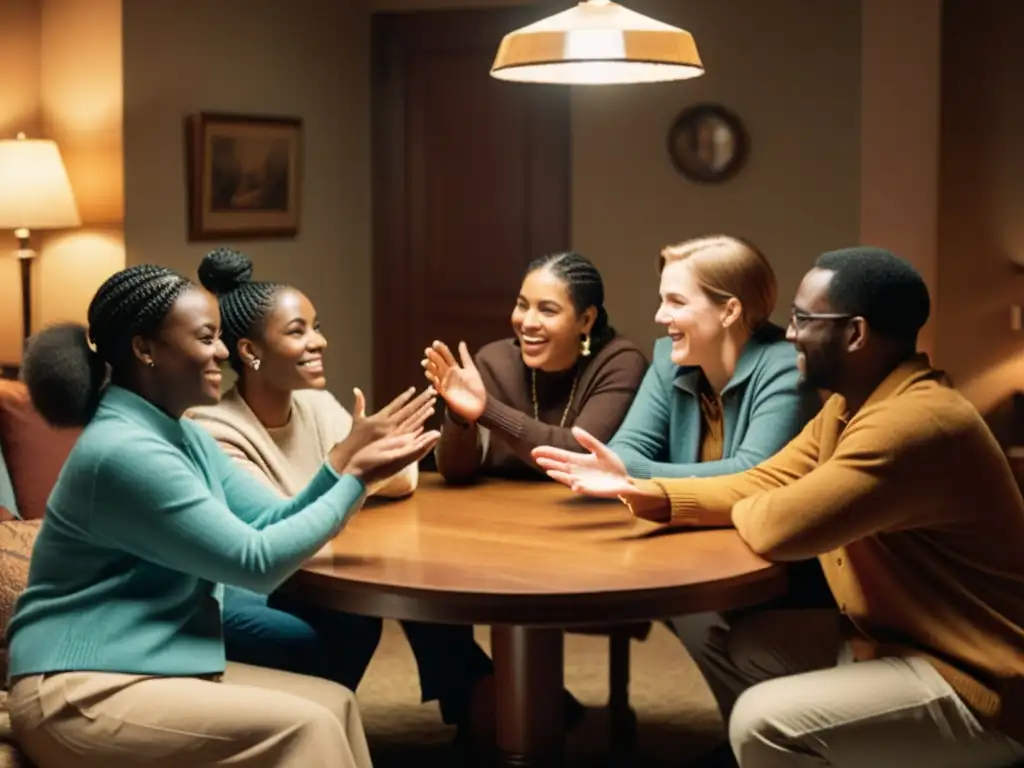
(405, 415)
(460, 386)
(383, 458)
(599, 472)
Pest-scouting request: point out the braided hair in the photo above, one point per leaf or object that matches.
(244, 303)
(65, 365)
(585, 287)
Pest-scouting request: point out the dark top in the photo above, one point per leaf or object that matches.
(500, 443)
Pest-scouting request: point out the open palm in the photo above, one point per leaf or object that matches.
(405, 415)
(460, 385)
(599, 472)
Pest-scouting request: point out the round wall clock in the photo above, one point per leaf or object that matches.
(707, 143)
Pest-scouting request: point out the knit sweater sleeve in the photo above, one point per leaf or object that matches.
(708, 501)
(613, 388)
(871, 484)
(792, 507)
(459, 452)
(149, 500)
(642, 440)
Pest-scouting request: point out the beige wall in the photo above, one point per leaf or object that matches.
(306, 58)
(80, 108)
(981, 222)
(899, 121)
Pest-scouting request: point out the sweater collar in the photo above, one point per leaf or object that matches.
(131, 406)
(688, 377)
(905, 375)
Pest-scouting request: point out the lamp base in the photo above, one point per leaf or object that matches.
(25, 254)
(26, 298)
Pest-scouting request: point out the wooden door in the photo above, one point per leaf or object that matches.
(470, 183)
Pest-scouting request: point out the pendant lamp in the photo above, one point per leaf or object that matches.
(598, 42)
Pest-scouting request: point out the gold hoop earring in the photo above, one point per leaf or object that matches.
(585, 346)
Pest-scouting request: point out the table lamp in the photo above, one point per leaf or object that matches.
(35, 193)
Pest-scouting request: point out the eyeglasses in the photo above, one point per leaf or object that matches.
(800, 319)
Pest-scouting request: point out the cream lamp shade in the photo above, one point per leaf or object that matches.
(597, 43)
(35, 192)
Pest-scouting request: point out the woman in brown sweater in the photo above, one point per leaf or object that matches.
(565, 367)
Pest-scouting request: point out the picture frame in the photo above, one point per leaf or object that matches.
(244, 176)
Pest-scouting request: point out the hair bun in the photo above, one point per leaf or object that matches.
(224, 269)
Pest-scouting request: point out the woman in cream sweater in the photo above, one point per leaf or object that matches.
(278, 422)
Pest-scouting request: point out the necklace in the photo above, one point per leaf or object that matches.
(533, 388)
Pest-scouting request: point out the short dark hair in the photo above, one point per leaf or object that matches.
(585, 287)
(244, 302)
(65, 365)
(879, 286)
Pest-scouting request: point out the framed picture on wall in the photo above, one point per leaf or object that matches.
(244, 175)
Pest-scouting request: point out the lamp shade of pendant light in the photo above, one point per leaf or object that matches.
(597, 43)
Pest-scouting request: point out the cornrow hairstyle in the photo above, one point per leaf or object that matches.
(244, 303)
(585, 287)
(65, 365)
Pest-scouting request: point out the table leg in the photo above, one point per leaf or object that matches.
(528, 675)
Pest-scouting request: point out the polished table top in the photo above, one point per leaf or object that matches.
(527, 553)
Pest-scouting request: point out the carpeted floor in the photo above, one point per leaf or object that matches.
(677, 717)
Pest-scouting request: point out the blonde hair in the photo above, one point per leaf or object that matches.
(729, 268)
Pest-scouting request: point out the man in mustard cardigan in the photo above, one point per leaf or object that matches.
(901, 491)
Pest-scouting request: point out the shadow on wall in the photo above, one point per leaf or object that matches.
(1006, 419)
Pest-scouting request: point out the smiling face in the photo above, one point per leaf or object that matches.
(546, 323)
(186, 353)
(819, 342)
(695, 323)
(291, 347)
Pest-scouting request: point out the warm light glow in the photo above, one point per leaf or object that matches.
(35, 192)
(597, 43)
(88, 256)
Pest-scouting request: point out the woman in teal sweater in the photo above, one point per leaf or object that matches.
(116, 646)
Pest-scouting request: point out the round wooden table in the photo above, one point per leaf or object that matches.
(529, 559)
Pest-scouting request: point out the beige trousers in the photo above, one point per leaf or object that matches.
(793, 697)
(254, 717)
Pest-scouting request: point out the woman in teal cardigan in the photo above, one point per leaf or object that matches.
(116, 649)
(722, 369)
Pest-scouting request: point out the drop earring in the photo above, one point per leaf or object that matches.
(585, 346)
(255, 363)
